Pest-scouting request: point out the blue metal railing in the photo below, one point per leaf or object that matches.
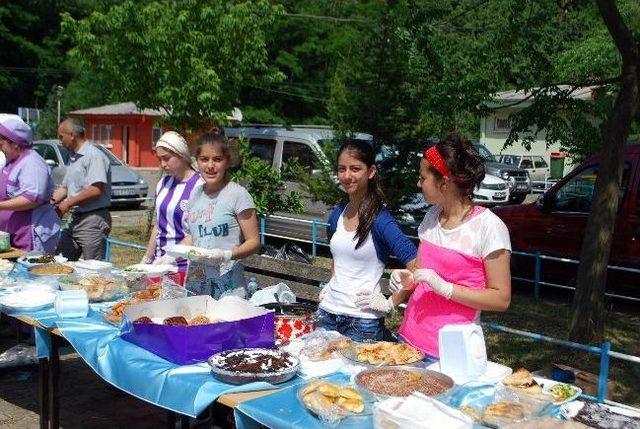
(603, 351)
(539, 257)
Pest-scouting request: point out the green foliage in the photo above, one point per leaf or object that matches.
(322, 184)
(190, 58)
(265, 184)
(33, 53)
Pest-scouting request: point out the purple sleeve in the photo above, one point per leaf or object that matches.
(34, 182)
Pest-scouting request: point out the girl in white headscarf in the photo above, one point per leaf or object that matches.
(172, 194)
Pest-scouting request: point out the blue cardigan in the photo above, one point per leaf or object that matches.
(388, 238)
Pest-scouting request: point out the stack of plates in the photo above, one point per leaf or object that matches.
(28, 300)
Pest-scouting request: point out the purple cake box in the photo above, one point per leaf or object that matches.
(245, 325)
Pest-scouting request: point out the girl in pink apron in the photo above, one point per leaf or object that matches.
(464, 250)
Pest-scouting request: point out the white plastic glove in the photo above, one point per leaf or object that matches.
(323, 293)
(437, 283)
(401, 279)
(165, 260)
(373, 301)
(146, 260)
(212, 256)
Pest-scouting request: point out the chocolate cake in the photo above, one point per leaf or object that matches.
(255, 361)
(248, 365)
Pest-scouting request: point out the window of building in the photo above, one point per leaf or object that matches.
(156, 133)
(502, 123)
(102, 134)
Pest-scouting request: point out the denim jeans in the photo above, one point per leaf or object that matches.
(356, 328)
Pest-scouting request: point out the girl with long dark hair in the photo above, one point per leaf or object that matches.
(362, 237)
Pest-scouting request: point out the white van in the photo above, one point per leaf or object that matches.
(276, 144)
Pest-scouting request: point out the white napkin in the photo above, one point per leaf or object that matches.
(418, 411)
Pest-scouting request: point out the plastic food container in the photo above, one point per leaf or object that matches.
(293, 320)
(98, 288)
(5, 241)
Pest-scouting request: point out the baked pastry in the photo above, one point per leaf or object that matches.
(471, 412)
(143, 319)
(199, 320)
(504, 412)
(522, 382)
(520, 377)
(387, 353)
(325, 398)
(176, 321)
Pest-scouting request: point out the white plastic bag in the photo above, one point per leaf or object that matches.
(268, 295)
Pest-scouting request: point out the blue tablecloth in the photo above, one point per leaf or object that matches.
(283, 410)
(186, 389)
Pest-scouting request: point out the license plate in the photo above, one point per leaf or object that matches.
(499, 195)
(521, 187)
(123, 192)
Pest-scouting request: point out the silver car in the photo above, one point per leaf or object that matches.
(127, 187)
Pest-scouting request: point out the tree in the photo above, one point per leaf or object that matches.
(190, 58)
(587, 318)
(33, 54)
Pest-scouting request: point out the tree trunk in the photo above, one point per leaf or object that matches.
(588, 311)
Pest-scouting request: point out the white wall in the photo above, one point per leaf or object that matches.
(494, 140)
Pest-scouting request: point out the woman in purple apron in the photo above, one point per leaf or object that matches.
(25, 191)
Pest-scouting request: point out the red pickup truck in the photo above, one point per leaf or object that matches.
(554, 225)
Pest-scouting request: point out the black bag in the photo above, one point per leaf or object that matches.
(292, 252)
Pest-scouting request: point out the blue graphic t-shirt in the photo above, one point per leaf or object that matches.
(212, 222)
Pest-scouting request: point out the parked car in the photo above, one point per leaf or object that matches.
(278, 144)
(555, 224)
(535, 165)
(517, 178)
(127, 187)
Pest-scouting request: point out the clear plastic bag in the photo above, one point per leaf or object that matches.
(333, 402)
(322, 345)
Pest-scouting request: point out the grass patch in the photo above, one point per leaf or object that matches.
(547, 317)
(124, 256)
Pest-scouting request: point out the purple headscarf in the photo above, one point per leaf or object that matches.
(13, 128)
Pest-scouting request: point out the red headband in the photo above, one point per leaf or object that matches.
(436, 161)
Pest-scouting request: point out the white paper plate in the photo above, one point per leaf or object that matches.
(28, 300)
(152, 270)
(548, 384)
(93, 265)
(182, 250)
(494, 373)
